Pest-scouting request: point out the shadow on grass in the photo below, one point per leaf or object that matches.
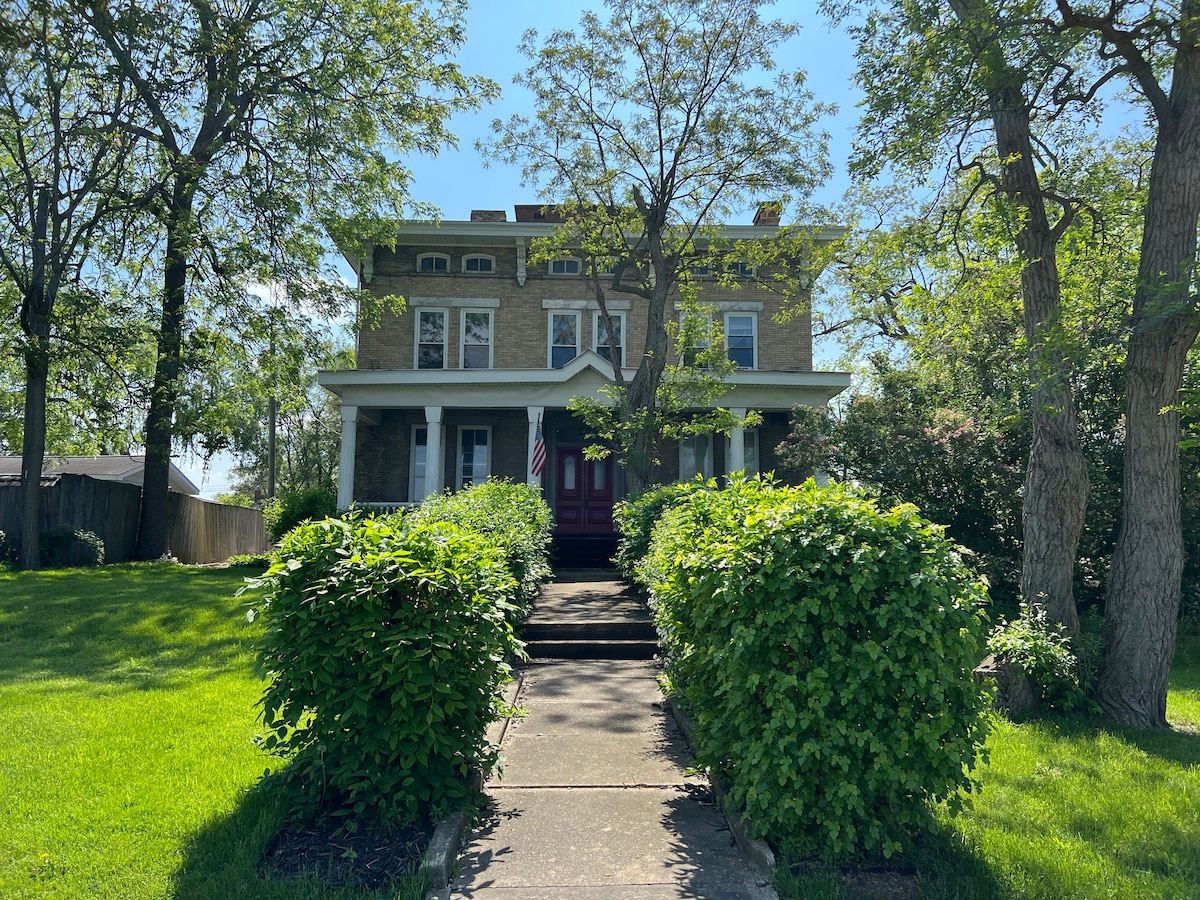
(133, 627)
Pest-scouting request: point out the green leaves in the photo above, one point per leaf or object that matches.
(825, 649)
(386, 641)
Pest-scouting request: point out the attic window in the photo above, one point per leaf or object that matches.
(477, 263)
(433, 262)
(744, 269)
(568, 265)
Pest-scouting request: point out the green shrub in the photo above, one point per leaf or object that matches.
(68, 546)
(8, 553)
(283, 513)
(824, 648)
(1046, 654)
(514, 517)
(250, 560)
(635, 517)
(386, 643)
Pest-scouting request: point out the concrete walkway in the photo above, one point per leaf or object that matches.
(595, 801)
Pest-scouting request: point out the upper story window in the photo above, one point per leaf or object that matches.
(696, 329)
(611, 348)
(431, 339)
(479, 264)
(568, 265)
(428, 263)
(700, 271)
(743, 269)
(564, 338)
(741, 339)
(477, 339)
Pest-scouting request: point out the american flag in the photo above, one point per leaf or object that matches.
(539, 451)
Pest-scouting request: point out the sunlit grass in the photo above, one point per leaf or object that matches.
(1071, 810)
(126, 738)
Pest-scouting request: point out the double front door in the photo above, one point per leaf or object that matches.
(584, 496)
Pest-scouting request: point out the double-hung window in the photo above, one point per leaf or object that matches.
(431, 339)
(696, 457)
(611, 347)
(564, 338)
(567, 265)
(473, 454)
(741, 269)
(431, 263)
(419, 462)
(476, 339)
(741, 339)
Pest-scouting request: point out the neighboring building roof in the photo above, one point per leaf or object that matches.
(127, 468)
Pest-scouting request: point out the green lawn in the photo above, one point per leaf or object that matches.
(126, 724)
(1071, 810)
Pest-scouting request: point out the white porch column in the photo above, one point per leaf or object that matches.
(345, 493)
(536, 414)
(434, 457)
(737, 444)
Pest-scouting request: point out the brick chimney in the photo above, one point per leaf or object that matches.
(768, 214)
(489, 215)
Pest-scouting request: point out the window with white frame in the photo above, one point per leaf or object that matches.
(700, 271)
(476, 339)
(431, 339)
(429, 263)
(741, 339)
(695, 457)
(418, 463)
(750, 448)
(611, 348)
(479, 264)
(742, 269)
(474, 454)
(564, 338)
(696, 327)
(567, 265)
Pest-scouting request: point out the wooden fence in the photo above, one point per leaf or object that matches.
(200, 531)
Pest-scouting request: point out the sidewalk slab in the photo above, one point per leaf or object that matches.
(616, 682)
(548, 839)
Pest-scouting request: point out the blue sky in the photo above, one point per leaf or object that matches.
(456, 181)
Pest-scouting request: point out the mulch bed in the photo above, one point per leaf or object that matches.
(370, 858)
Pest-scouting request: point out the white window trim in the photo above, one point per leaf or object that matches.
(454, 302)
(753, 331)
(412, 462)
(445, 337)
(458, 461)
(486, 256)
(550, 333)
(424, 256)
(733, 267)
(575, 259)
(462, 337)
(597, 320)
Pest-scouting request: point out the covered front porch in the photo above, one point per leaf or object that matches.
(407, 434)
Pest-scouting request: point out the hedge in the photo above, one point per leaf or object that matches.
(387, 644)
(635, 517)
(824, 649)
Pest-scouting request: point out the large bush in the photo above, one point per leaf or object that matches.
(824, 648)
(386, 643)
(70, 546)
(295, 505)
(514, 517)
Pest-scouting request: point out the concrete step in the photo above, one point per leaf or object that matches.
(592, 649)
(588, 631)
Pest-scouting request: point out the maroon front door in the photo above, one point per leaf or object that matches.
(584, 498)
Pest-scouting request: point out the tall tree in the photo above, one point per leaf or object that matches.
(651, 127)
(267, 119)
(62, 170)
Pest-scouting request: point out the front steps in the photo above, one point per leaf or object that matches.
(589, 614)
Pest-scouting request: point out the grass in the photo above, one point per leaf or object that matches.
(127, 721)
(1068, 810)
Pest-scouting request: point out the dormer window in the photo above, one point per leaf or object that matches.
(430, 263)
(478, 264)
(742, 269)
(701, 271)
(568, 265)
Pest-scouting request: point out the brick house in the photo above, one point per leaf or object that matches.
(491, 347)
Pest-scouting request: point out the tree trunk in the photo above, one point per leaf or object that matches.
(1056, 482)
(1147, 566)
(155, 513)
(35, 322)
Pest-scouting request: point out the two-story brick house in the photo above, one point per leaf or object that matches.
(491, 348)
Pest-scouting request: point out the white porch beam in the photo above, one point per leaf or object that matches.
(737, 444)
(434, 457)
(345, 494)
